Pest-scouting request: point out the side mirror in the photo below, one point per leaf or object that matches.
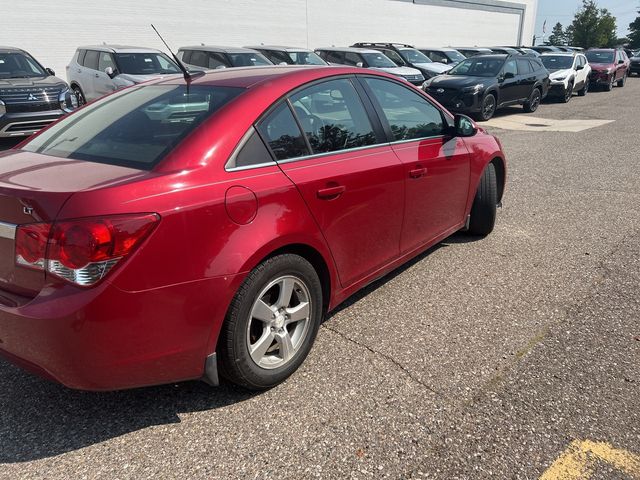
(508, 75)
(50, 72)
(109, 71)
(359, 64)
(220, 67)
(464, 126)
(579, 67)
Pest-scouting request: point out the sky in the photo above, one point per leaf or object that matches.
(562, 11)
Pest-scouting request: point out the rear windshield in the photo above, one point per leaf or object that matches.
(145, 63)
(136, 128)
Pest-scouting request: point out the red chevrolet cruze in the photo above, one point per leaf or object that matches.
(178, 229)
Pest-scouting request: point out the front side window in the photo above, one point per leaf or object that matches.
(145, 63)
(478, 67)
(105, 61)
(137, 127)
(333, 116)
(19, 65)
(280, 130)
(409, 115)
(248, 59)
(510, 67)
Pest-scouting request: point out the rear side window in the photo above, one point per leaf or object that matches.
(333, 116)
(91, 59)
(352, 59)
(524, 67)
(334, 57)
(81, 54)
(280, 130)
(136, 128)
(409, 115)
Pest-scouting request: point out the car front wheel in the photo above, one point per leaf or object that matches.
(272, 323)
(585, 88)
(483, 210)
(488, 108)
(78, 92)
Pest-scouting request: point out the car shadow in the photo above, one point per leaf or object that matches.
(41, 419)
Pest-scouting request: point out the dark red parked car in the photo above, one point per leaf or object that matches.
(176, 229)
(609, 67)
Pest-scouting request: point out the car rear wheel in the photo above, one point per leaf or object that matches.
(623, 80)
(585, 88)
(79, 95)
(568, 93)
(534, 101)
(483, 211)
(272, 323)
(488, 108)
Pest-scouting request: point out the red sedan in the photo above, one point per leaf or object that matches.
(178, 229)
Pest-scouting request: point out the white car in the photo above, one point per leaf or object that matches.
(95, 71)
(569, 73)
(368, 58)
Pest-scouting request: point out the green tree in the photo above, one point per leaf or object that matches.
(592, 27)
(557, 36)
(634, 32)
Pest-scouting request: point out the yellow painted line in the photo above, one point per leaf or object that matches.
(580, 461)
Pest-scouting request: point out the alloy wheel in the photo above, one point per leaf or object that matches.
(488, 107)
(279, 322)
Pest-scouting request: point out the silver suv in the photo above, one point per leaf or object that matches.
(212, 57)
(95, 71)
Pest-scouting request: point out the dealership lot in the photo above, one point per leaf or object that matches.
(481, 359)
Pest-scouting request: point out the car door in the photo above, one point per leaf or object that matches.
(350, 179)
(508, 83)
(88, 74)
(436, 166)
(102, 83)
(526, 78)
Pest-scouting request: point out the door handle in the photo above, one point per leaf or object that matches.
(97, 76)
(330, 193)
(418, 172)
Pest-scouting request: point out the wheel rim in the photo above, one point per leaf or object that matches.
(79, 96)
(279, 322)
(488, 107)
(568, 94)
(535, 100)
(586, 86)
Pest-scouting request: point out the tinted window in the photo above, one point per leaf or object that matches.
(394, 57)
(199, 58)
(277, 57)
(510, 67)
(81, 54)
(351, 58)
(19, 65)
(334, 57)
(136, 127)
(306, 58)
(409, 114)
(479, 67)
(524, 67)
(333, 117)
(216, 60)
(145, 63)
(253, 152)
(282, 133)
(91, 59)
(106, 60)
(248, 59)
(438, 57)
(557, 62)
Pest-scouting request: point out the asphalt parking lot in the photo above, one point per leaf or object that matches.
(516, 356)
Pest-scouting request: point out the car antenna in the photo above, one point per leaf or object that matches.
(188, 76)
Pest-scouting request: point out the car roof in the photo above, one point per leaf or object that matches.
(218, 48)
(495, 55)
(278, 48)
(349, 49)
(603, 49)
(10, 49)
(119, 48)
(438, 49)
(559, 54)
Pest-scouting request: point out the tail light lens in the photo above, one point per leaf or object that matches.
(81, 251)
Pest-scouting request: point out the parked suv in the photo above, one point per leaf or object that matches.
(31, 96)
(368, 58)
(610, 66)
(473, 51)
(289, 55)
(407, 56)
(216, 57)
(634, 64)
(448, 56)
(570, 73)
(95, 71)
(480, 85)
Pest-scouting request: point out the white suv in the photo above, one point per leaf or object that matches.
(569, 72)
(95, 71)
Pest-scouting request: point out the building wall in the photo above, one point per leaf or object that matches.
(51, 30)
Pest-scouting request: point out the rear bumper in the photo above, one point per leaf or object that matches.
(108, 339)
(25, 124)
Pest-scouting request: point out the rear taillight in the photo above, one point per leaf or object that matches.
(81, 251)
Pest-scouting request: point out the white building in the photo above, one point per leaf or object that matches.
(51, 30)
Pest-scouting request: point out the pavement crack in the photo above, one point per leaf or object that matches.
(389, 359)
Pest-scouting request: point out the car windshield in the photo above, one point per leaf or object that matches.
(378, 60)
(599, 56)
(19, 65)
(411, 55)
(136, 128)
(478, 67)
(142, 63)
(306, 58)
(454, 55)
(557, 62)
(248, 59)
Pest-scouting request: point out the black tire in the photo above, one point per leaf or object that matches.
(609, 86)
(488, 108)
(79, 95)
(566, 98)
(533, 103)
(585, 88)
(234, 360)
(623, 80)
(483, 211)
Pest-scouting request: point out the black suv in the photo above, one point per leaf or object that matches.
(31, 96)
(407, 56)
(480, 85)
